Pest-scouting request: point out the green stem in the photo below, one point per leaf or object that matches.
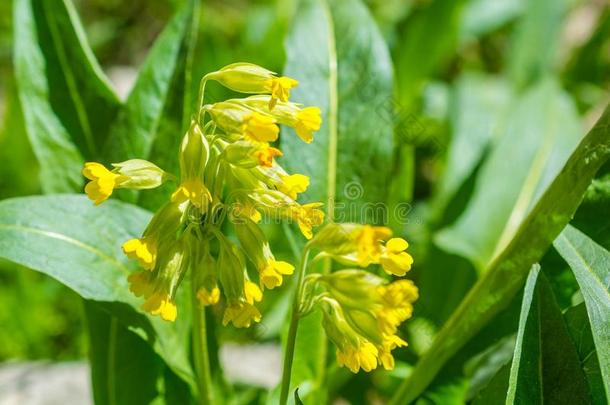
(200, 350)
(292, 331)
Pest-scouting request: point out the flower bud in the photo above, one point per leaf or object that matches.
(233, 270)
(194, 152)
(139, 174)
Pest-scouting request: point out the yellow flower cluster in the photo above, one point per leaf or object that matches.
(361, 311)
(227, 170)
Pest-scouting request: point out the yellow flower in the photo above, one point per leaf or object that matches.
(266, 154)
(304, 120)
(397, 300)
(136, 174)
(362, 314)
(161, 304)
(241, 313)
(308, 121)
(271, 275)
(102, 183)
(385, 354)
(307, 216)
(260, 128)
(293, 184)
(208, 297)
(394, 259)
(280, 89)
(251, 78)
(194, 191)
(368, 243)
(144, 250)
(356, 357)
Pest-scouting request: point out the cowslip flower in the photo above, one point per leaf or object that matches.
(135, 174)
(361, 315)
(251, 237)
(226, 160)
(250, 78)
(363, 245)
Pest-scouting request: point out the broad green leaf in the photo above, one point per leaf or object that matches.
(69, 239)
(536, 40)
(591, 266)
(545, 367)
(124, 369)
(348, 74)
(506, 274)
(134, 132)
(543, 129)
(580, 330)
(66, 100)
(479, 108)
(175, 117)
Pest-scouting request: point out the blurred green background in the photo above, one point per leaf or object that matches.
(42, 319)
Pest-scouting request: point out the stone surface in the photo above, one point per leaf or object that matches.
(42, 383)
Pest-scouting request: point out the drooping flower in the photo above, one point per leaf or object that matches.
(394, 259)
(250, 78)
(362, 313)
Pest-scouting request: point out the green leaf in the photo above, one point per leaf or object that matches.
(124, 369)
(348, 74)
(536, 40)
(66, 100)
(69, 239)
(543, 129)
(175, 117)
(546, 366)
(505, 275)
(134, 132)
(478, 118)
(580, 330)
(591, 266)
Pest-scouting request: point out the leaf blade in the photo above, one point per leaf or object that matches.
(78, 246)
(506, 274)
(591, 266)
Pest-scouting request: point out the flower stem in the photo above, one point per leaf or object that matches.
(292, 331)
(200, 350)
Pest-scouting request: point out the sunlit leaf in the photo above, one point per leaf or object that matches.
(591, 266)
(545, 365)
(348, 74)
(507, 273)
(66, 100)
(543, 129)
(134, 132)
(78, 244)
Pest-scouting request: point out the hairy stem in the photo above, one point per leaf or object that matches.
(200, 350)
(292, 331)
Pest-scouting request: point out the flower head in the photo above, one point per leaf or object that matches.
(362, 313)
(226, 159)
